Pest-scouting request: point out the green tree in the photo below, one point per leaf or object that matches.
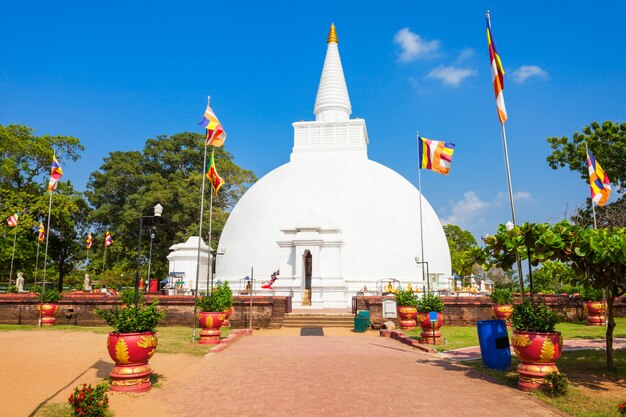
(168, 172)
(460, 243)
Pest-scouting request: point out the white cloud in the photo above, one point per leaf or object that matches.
(413, 46)
(465, 54)
(527, 71)
(464, 211)
(451, 75)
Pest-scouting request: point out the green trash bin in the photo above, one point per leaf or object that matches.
(366, 314)
(360, 324)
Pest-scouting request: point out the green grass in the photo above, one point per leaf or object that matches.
(594, 392)
(172, 339)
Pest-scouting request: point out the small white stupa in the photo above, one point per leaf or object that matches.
(332, 221)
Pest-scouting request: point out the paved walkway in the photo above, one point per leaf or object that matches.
(337, 376)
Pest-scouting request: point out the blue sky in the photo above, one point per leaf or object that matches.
(115, 74)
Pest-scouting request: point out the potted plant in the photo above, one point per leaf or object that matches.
(536, 343)
(502, 299)
(48, 307)
(594, 306)
(212, 313)
(132, 342)
(407, 308)
(430, 302)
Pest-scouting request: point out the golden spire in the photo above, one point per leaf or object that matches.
(332, 35)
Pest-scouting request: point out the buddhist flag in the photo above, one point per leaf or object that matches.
(55, 174)
(212, 174)
(42, 232)
(12, 221)
(435, 155)
(598, 181)
(497, 73)
(215, 135)
(108, 240)
(89, 241)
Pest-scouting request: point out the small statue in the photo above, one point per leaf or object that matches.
(86, 283)
(409, 288)
(389, 287)
(19, 282)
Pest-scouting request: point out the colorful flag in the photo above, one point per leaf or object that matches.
(108, 240)
(497, 73)
(12, 221)
(42, 232)
(598, 181)
(212, 174)
(215, 135)
(89, 241)
(55, 174)
(435, 155)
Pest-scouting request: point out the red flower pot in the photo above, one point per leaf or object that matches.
(227, 314)
(538, 352)
(407, 317)
(427, 328)
(131, 353)
(48, 311)
(595, 313)
(210, 322)
(503, 312)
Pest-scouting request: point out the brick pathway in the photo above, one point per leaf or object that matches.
(337, 376)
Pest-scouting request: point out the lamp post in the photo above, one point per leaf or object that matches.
(152, 235)
(427, 278)
(158, 210)
(219, 252)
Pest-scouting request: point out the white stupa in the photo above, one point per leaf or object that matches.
(332, 221)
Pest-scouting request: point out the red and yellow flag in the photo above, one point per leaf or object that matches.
(13, 220)
(55, 174)
(42, 232)
(108, 240)
(89, 241)
(497, 74)
(215, 134)
(212, 174)
(598, 181)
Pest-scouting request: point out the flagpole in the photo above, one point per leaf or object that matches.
(512, 202)
(419, 183)
(45, 262)
(37, 264)
(593, 207)
(13, 254)
(210, 230)
(195, 307)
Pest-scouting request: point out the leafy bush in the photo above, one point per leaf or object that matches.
(591, 294)
(568, 289)
(220, 299)
(131, 319)
(406, 298)
(12, 289)
(50, 295)
(556, 384)
(430, 302)
(621, 408)
(89, 402)
(500, 296)
(539, 318)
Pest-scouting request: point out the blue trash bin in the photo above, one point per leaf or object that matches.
(494, 344)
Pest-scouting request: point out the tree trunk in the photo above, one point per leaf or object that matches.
(610, 326)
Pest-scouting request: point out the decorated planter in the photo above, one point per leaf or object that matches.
(407, 317)
(538, 352)
(503, 312)
(131, 353)
(595, 313)
(427, 328)
(210, 323)
(227, 314)
(48, 310)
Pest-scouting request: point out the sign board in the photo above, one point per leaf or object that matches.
(390, 309)
(433, 316)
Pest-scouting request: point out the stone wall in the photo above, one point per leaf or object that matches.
(466, 311)
(79, 309)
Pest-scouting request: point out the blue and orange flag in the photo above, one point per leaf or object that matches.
(55, 174)
(212, 174)
(215, 134)
(497, 73)
(13, 220)
(42, 232)
(598, 181)
(89, 241)
(435, 155)
(108, 240)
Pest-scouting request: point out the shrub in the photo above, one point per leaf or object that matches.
(569, 289)
(406, 298)
(430, 302)
(500, 296)
(539, 318)
(12, 289)
(131, 319)
(591, 294)
(556, 384)
(50, 295)
(621, 408)
(88, 401)
(220, 299)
